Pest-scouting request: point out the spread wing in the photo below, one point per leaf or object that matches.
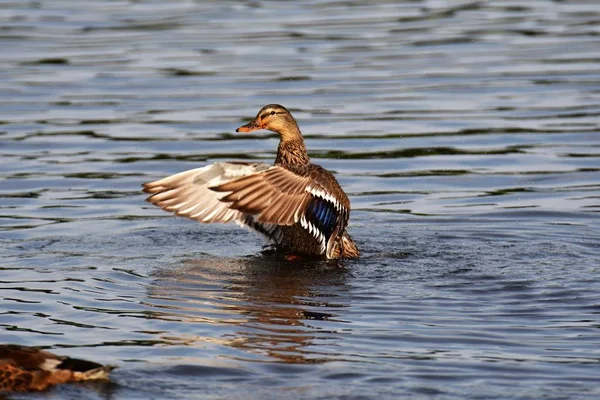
(258, 196)
(187, 194)
(305, 194)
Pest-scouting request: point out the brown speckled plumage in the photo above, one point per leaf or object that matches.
(25, 368)
(297, 205)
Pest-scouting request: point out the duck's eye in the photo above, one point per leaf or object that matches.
(273, 113)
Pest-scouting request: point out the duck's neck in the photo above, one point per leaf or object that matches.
(292, 152)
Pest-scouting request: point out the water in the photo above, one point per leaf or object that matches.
(465, 133)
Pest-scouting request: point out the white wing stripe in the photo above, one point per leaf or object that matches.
(325, 196)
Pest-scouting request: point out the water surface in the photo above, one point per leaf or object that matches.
(466, 135)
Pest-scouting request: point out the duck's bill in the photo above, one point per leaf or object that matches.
(249, 127)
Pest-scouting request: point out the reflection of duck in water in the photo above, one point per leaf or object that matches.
(257, 305)
(26, 369)
(298, 206)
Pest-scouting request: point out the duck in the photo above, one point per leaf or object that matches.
(299, 207)
(24, 369)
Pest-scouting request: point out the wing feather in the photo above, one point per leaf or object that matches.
(258, 196)
(277, 195)
(187, 193)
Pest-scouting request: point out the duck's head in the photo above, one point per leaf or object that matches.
(275, 118)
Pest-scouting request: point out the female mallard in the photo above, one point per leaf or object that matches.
(298, 206)
(27, 369)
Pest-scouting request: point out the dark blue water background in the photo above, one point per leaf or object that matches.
(466, 133)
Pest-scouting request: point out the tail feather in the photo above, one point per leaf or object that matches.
(84, 370)
(77, 365)
(348, 247)
(100, 373)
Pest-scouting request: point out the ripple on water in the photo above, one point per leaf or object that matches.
(464, 134)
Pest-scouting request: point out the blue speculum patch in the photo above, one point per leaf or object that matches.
(322, 214)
